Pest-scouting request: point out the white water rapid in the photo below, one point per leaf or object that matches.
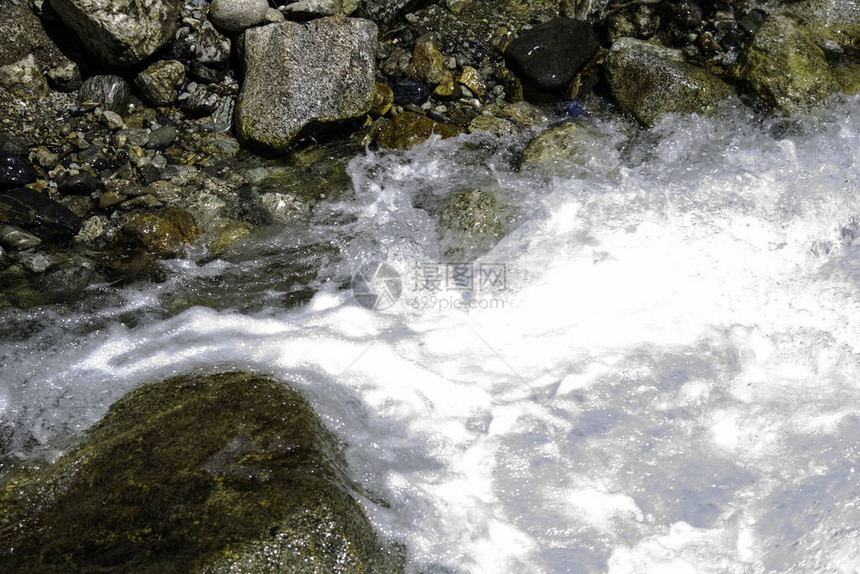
(664, 377)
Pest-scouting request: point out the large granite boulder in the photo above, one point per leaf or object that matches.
(303, 78)
(120, 32)
(195, 474)
(648, 80)
(784, 66)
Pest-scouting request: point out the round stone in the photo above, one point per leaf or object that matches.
(237, 15)
(110, 91)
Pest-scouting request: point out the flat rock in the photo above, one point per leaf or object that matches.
(120, 32)
(302, 78)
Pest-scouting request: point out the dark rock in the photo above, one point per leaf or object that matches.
(163, 233)
(16, 170)
(409, 91)
(120, 32)
(78, 184)
(548, 56)
(301, 79)
(384, 12)
(408, 129)
(219, 473)
(38, 212)
(110, 91)
(148, 173)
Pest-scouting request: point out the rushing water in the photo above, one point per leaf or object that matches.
(660, 371)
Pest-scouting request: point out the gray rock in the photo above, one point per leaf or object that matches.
(110, 91)
(648, 81)
(160, 82)
(120, 32)
(784, 67)
(162, 138)
(13, 238)
(37, 262)
(237, 15)
(301, 77)
(211, 54)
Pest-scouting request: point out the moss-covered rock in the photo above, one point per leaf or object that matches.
(848, 77)
(648, 80)
(784, 66)
(471, 223)
(216, 474)
(571, 149)
(162, 233)
(408, 129)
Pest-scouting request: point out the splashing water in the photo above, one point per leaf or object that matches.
(665, 377)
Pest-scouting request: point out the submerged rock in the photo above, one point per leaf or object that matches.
(471, 223)
(195, 474)
(409, 91)
(829, 20)
(648, 80)
(571, 149)
(785, 67)
(120, 32)
(163, 233)
(548, 56)
(408, 129)
(302, 78)
(37, 212)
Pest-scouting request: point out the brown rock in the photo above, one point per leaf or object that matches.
(408, 129)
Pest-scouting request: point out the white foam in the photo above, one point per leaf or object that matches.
(672, 376)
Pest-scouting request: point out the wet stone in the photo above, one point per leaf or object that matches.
(16, 170)
(110, 91)
(408, 129)
(14, 238)
(12, 145)
(78, 184)
(70, 276)
(31, 209)
(163, 233)
(548, 56)
(34, 261)
(160, 82)
(409, 91)
(162, 138)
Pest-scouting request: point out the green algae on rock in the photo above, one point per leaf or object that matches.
(215, 474)
(409, 128)
(649, 80)
(784, 66)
